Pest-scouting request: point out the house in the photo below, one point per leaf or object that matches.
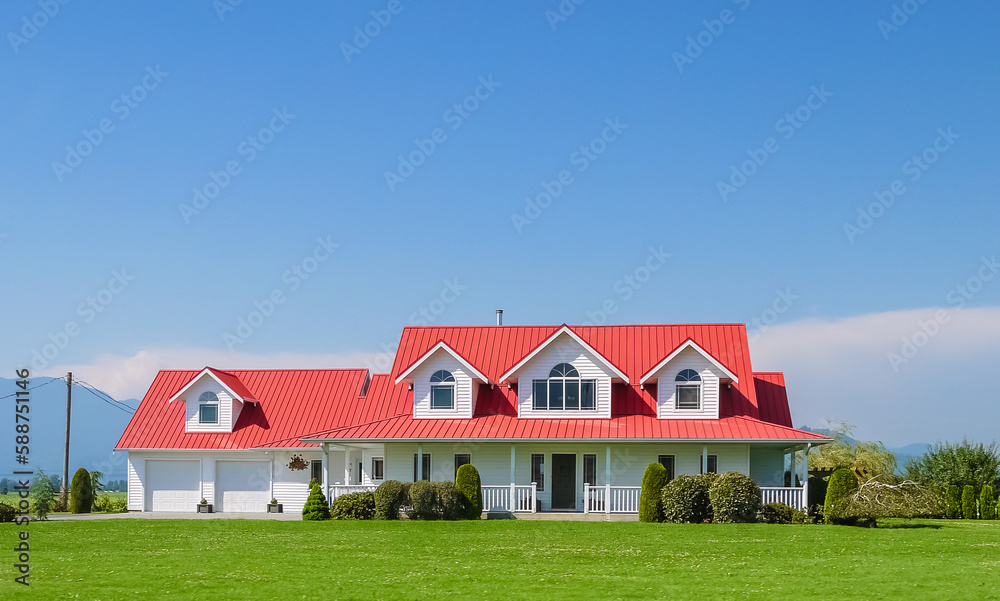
(555, 418)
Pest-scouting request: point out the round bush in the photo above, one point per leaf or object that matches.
(779, 513)
(388, 499)
(6, 513)
(735, 498)
(842, 484)
(354, 506)
(316, 507)
(81, 492)
(470, 487)
(685, 499)
(650, 497)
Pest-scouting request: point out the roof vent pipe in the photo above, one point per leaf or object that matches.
(499, 317)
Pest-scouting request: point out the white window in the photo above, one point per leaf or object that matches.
(442, 390)
(564, 389)
(208, 408)
(378, 468)
(688, 389)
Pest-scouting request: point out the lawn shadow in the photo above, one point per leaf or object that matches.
(895, 526)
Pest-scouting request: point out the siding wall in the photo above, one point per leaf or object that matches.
(564, 350)
(291, 488)
(229, 408)
(666, 389)
(464, 388)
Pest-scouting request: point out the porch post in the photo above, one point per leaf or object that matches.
(805, 482)
(347, 465)
(607, 481)
(420, 463)
(792, 466)
(704, 458)
(326, 469)
(512, 463)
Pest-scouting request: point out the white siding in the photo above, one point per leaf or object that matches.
(291, 488)
(136, 474)
(229, 408)
(464, 386)
(666, 387)
(564, 350)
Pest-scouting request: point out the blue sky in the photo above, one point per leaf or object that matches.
(320, 173)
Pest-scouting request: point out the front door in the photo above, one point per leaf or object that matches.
(564, 482)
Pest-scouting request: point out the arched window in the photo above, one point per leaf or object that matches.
(442, 390)
(208, 408)
(564, 389)
(688, 389)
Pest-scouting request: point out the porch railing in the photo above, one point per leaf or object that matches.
(611, 499)
(793, 496)
(337, 490)
(515, 498)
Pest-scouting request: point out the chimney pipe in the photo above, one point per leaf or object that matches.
(499, 317)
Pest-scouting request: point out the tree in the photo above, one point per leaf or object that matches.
(969, 502)
(43, 495)
(866, 459)
(95, 482)
(650, 496)
(947, 463)
(470, 487)
(953, 502)
(81, 492)
(842, 484)
(987, 504)
(316, 507)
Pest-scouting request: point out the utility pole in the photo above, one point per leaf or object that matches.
(69, 405)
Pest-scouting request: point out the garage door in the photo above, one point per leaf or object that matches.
(172, 485)
(242, 486)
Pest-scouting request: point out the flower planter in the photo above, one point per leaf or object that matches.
(274, 508)
(204, 508)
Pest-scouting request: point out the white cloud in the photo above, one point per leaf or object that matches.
(939, 388)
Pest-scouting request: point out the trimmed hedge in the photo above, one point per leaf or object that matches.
(650, 497)
(388, 500)
(81, 492)
(110, 505)
(686, 501)
(6, 513)
(436, 501)
(842, 484)
(316, 507)
(953, 502)
(735, 498)
(969, 502)
(987, 503)
(471, 488)
(779, 513)
(353, 506)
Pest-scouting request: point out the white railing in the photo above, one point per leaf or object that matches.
(337, 490)
(792, 496)
(515, 498)
(611, 499)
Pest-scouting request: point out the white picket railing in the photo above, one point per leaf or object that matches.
(515, 498)
(793, 496)
(611, 499)
(337, 490)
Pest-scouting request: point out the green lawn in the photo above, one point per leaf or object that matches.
(132, 559)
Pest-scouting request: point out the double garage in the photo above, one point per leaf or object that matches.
(177, 485)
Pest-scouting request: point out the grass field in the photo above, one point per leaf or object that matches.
(259, 559)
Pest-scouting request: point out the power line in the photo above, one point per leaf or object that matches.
(104, 394)
(60, 378)
(122, 407)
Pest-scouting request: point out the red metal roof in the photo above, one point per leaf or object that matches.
(772, 398)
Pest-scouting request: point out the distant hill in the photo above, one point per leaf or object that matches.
(903, 454)
(95, 428)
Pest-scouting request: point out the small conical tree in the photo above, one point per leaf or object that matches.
(316, 507)
(842, 484)
(651, 494)
(969, 502)
(987, 504)
(953, 502)
(471, 488)
(81, 492)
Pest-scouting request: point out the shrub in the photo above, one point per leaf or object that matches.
(6, 513)
(650, 497)
(685, 499)
(779, 513)
(470, 487)
(436, 501)
(81, 492)
(316, 507)
(109, 504)
(354, 506)
(953, 503)
(987, 503)
(43, 494)
(842, 484)
(969, 502)
(735, 498)
(388, 499)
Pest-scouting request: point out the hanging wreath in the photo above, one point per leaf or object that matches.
(297, 463)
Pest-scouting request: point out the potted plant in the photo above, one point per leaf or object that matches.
(274, 506)
(204, 507)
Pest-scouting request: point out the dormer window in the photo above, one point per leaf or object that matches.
(688, 389)
(208, 408)
(564, 389)
(442, 390)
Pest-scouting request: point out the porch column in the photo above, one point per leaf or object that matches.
(420, 463)
(791, 468)
(512, 463)
(326, 468)
(704, 458)
(347, 465)
(805, 482)
(271, 480)
(607, 481)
